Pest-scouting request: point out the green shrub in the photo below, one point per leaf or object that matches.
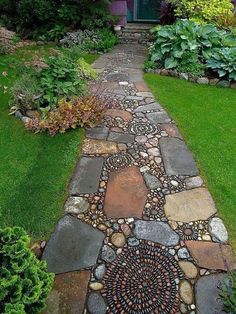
(37, 17)
(202, 10)
(64, 78)
(94, 41)
(223, 61)
(24, 282)
(228, 293)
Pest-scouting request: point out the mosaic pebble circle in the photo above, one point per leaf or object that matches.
(142, 128)
(142, 280)
(117, 161)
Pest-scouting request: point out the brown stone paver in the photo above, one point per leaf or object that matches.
(126, 194)
(125, 115)
(212, 255)
(138, 185)
(193, 205)
(69, 293)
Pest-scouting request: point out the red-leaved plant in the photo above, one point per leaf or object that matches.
(85, 111)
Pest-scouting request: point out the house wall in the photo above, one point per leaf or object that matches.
(119, 8)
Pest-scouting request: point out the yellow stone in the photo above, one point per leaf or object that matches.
(189, 269)
(100, 147)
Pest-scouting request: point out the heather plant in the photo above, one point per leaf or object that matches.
(24, 282)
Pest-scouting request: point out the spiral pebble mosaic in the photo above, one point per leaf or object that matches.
(142, 280)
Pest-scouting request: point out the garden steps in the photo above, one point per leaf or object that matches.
(135, 33)
(137, 203)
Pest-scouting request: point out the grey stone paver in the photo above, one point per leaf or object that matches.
(154, 106)
(96, 304)
(158, 117)
(120, 137)
(86, 176)
(74, 245)
(100, 133)
(177, 158)
(207, 294)
(156, 231)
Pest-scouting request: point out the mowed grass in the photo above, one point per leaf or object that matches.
(34, 169)
(206, 117)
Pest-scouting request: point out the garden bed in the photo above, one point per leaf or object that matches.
(203, 80)
(35, 169)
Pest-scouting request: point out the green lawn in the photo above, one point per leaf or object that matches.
(206, 117)
(34, 169)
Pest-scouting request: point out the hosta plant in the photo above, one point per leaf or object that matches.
(223, 61)
(24, 282)
(85, 111)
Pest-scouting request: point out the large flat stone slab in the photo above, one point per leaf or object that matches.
(124, 115)
(207, 291)
(98, 147)
(100, 133)
(86, 176)
(190, 205)
(121, 137)
(177, 158)
(73, 245)
(69, 293)
(150, 107)
(212, 255)
(126, 193)
(158, 117)
(156, 231)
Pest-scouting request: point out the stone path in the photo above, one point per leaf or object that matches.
(140, 233)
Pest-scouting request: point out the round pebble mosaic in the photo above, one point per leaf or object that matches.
(143, 128)
(142, 280)
(117, 161)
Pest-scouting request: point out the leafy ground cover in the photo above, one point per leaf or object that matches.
(206, 118)
(35, 169)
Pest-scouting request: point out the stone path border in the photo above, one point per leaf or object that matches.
(140, 230)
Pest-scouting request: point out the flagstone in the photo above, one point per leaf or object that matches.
(121, 137)
(187, 206)
(212, 255)
(158, 117)
(126, 193)
(177, 158)
(156, 231)
(141, 86)
(207, 292)
(145, 108)
(86, 176)
(172, 130)
(125, 115)
(74, 245)
(100, 147)
(97, 132)
(69, 293)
